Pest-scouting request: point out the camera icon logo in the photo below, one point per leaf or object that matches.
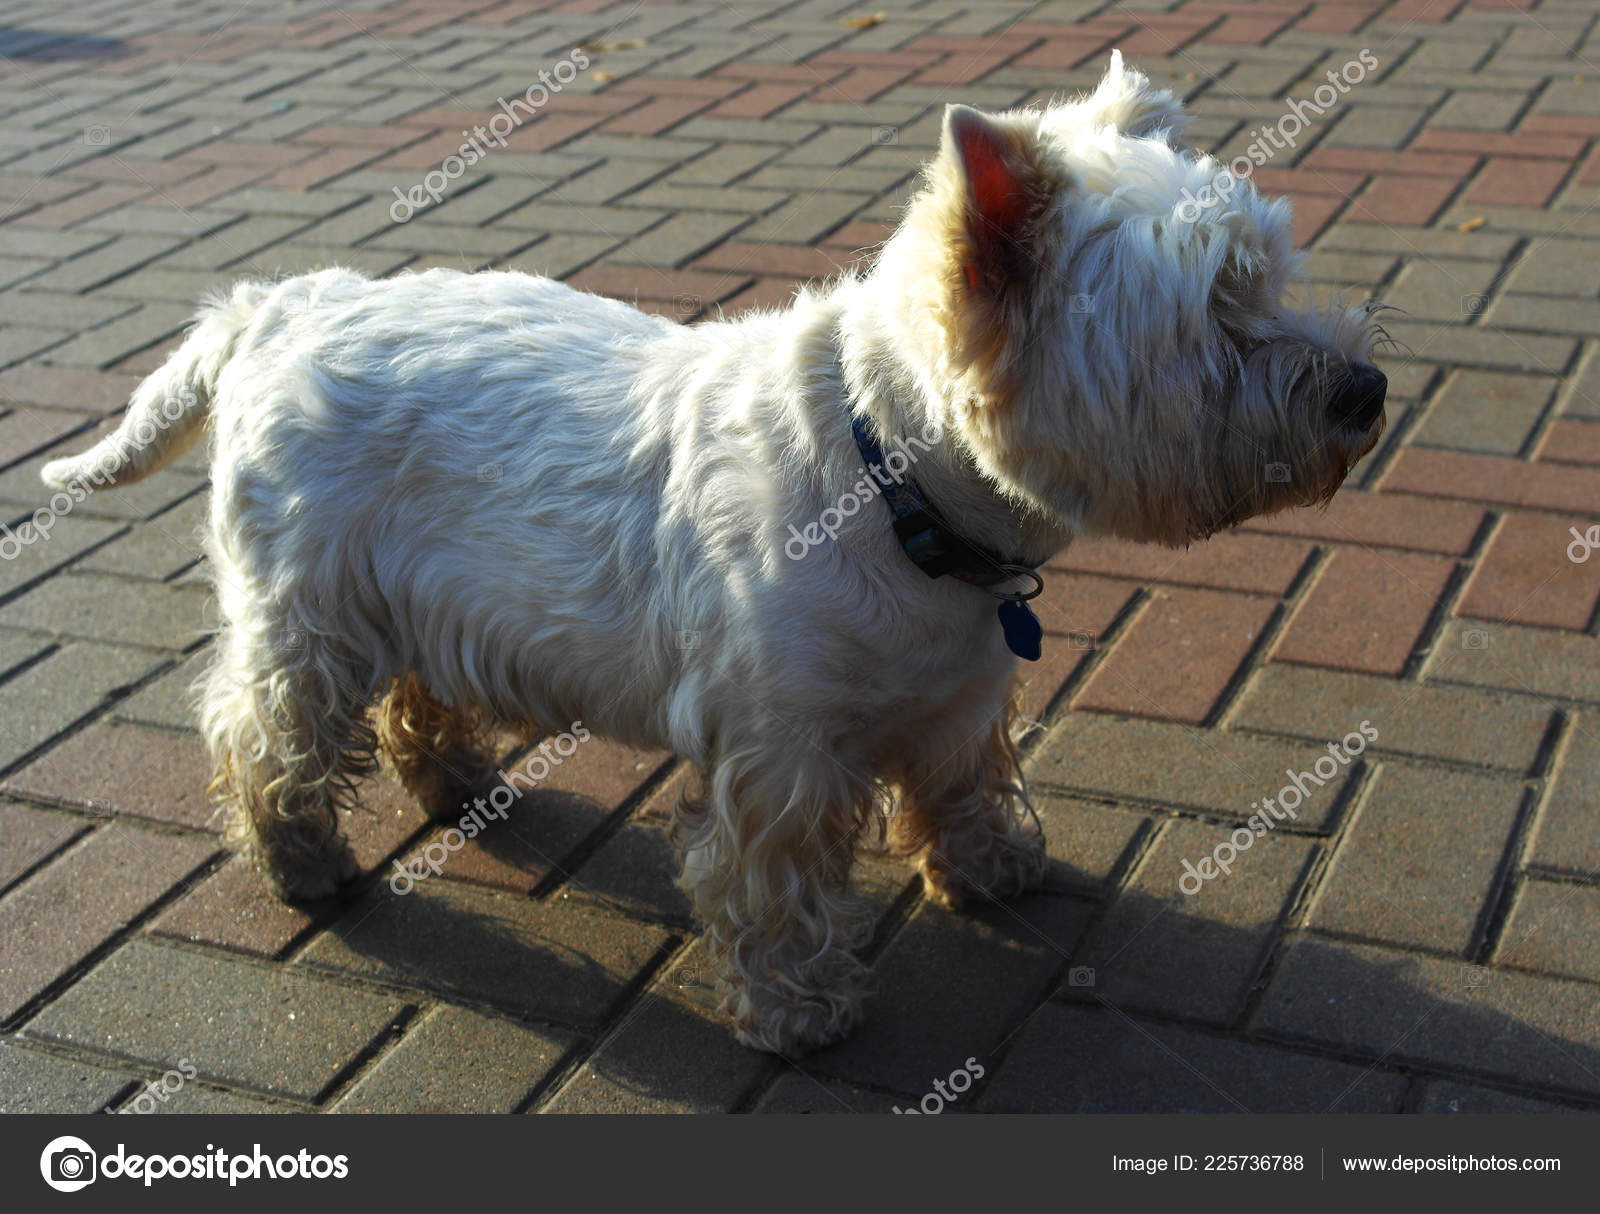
(67, 1164)
(885, 136)
(1277, 474)
(1080, 976)
(1474, 638)
(1474, 305)
(1080, 305)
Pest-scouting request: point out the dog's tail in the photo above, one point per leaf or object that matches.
(169, 409)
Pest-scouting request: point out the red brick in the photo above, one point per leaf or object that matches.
(787, 73)
(257, 155)
(1063, 53)
(673, 86)
(125, 769)
(1076, 612)
(897, 60)
(1413, 12)
(1517, 183)
(1334, 19)
(323, 168)
(866, 83)
(36, 189)
(96, 200)
(210, 185)
(966, 67)
(1366, 611)
(743, 256)
(1491, 143)
(1570, 441)
(81, 899)
(763, 293)
(1586, 125)
(1179, 655)
(1160, 34)
(1247, 30)
(1304, 180)
(361, 135)
(1407, 201)
(1311, 215)
(134, 172)
(1366, 160)
(660, 115)
(1226, 562)
(1357, 517)
(1527, 577)
(235, 908)
(1493, 478)
(760, 101)
(858, 235)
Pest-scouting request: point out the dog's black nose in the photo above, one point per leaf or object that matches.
(1359, 399)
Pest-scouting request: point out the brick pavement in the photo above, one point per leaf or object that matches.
(1423, 936)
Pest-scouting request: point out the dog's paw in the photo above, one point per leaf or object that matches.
(795, 1029)
(1012, 864)
(309, 878)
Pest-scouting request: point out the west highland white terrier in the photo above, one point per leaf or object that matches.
(1048, 349)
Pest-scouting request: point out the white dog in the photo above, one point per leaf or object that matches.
(1074, 357)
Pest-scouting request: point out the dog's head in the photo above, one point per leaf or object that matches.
(1101, 312)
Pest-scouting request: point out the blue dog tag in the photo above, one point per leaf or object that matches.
(1023, 630)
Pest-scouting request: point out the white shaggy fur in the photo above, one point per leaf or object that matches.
(648, 478)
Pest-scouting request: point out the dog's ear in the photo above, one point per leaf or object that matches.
(1002, 189)
(1128, 101)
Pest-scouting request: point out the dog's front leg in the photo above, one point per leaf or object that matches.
(966, 818)
(767, 846)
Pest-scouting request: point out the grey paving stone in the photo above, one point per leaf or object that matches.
(1196, 955)
(807, 218)
(126, 868)
(196, 1099)
(1402, 1006)
(529, 959)
(1420, 860)
(1172, 766)
(64, 539)
(951, 986)
(116, 610)
(454, 1060)
(28, 835)
(41, 701)
(1411, 718)
(1486, 411)
(1085, 841)
(1553, 929)
(1533, 661)
(279, 1031)
(799, 1091)
(1566, 835)
(1448, 1096)
(671, 1052)
(32, 1081)
(1100, 1060)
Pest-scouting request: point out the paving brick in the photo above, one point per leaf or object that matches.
(28, 836)
(1446, 1096)
(1410, 1007)
(277, 1031)
(1527, 576)
(1580, 317)
(1178, 656)
(69, 684)
(1506, 482)
(672, 1053)
(1416, 719)
(635, 872)
(1195, 955)
(1230, 561)
(1553, 929)
(1007, 955)
(124, 769)
(1075, 613)
(1395, 878)
(1086, 841)
(1566, 836)
(1486, 411)
(1081, 1060)
(126, 868)
(799, 1091)
(1575, 442)
(1530, 660)
(1175, 766)
(101, 608)
(1549, 267)
(1369, 519)
(528, 959)
(1366, 611)
(32, 1081)
(454, 1060)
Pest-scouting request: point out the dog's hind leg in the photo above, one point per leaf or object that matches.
(440, 754)
(285, 722)
(767, 847)
(965, 816)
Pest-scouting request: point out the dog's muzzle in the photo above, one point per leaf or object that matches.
(1358, 402)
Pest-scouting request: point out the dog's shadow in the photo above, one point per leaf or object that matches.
(1079, 998)
(54, 46)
